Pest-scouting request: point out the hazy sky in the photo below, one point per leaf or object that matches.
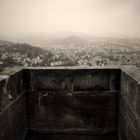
(89, 16)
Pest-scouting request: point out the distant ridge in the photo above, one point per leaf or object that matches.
(22, 48)
(4, 42)
(68, 40)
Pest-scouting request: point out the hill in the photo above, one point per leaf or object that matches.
(21, 54)
(4, 42)
(23, 49)
(71, 41)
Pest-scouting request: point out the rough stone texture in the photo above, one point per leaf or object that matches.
(73, 100)
(75, 79)
(70, 100)
(96, 80)
(129, 102)
(126, 129)
(11, 86)
(13, 123)
(32, 104)
(51, 80)
(129, 90)
(3, 94)
(90, 111)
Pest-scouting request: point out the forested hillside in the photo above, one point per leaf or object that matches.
(72, 51)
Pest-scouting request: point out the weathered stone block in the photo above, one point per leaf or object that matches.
(126, 130)
(97, 98)
(63, 111)
(17, 111)
(14, 85)
(91, 80)
(51, 79)
(129, 113)
(4, 100)
(129, 91)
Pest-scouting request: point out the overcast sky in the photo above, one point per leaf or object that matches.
(89, 16)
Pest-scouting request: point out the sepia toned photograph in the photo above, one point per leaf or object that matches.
(69, 69)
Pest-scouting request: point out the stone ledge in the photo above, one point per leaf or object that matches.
(133, 72)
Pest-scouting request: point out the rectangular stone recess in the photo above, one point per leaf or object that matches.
(70, 100)
(74, 100)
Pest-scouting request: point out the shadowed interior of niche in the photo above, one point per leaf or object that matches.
(76, 103)
(85, 104)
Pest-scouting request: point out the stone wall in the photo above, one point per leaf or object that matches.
(73, 100)
(129, 105)
(70, 100)
(13, 123)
